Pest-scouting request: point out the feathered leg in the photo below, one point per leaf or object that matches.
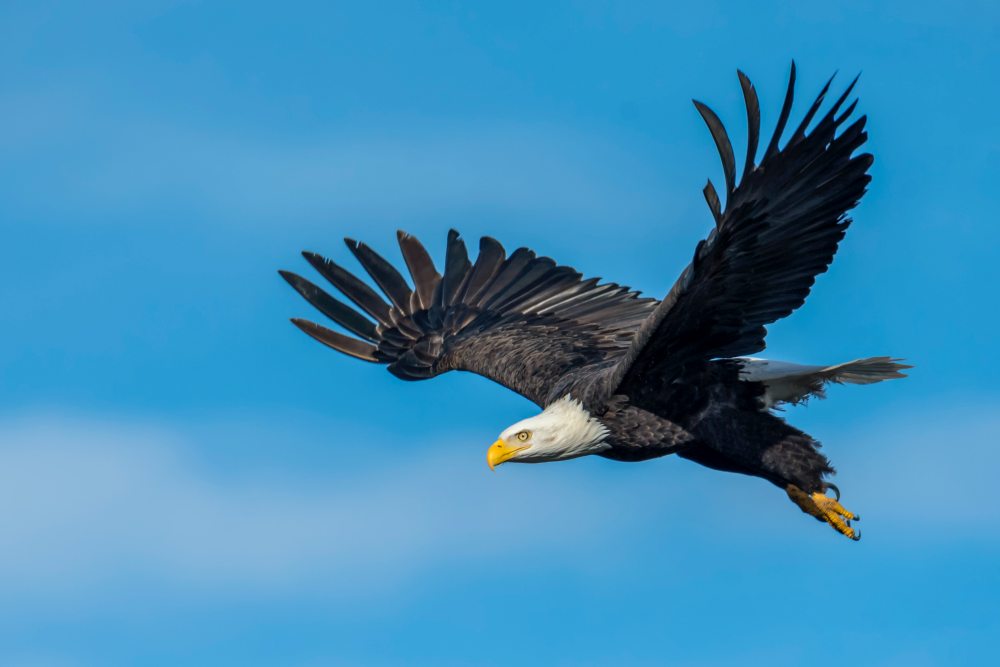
(764, 445)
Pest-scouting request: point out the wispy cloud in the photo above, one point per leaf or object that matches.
(90, 503)
(86, 503)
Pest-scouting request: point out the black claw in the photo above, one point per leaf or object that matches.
(856, 536)
(857, 517)
(836, 491)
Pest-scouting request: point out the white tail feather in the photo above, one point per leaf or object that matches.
(866, 371)
(794, 383)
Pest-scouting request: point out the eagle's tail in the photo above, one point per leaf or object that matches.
(785, 382)
(865, 371)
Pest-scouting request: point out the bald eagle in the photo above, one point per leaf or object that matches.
(631, 378)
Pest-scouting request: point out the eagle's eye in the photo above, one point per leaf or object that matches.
(523, 436)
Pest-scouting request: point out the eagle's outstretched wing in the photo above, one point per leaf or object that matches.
(779, 230)
(520, 320)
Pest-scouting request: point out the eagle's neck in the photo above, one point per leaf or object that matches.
(572, 431)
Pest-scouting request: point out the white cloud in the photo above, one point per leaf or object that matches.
(85, 504)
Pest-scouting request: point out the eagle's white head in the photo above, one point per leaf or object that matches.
(564, 430)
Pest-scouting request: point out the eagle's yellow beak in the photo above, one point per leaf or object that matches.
(499, 452)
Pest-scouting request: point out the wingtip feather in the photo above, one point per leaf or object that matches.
(722, 143)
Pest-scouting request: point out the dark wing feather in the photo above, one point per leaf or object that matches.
(425, 276)
(456, 269)
(336, 310)
(340, 342)
(355, 290)
(753, 120)
(786, 110)
(722, 143)
(521, 320)
(491, 257)
(779, 230)
(712, 199)
(383, 273)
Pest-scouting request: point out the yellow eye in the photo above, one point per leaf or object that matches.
(523, 436)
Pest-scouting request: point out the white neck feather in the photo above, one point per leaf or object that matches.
(564, 430)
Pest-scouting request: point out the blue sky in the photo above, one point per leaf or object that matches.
(186, 479)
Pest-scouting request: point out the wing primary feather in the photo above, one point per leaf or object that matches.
(525, 283)
(847, 112)
(490, 259)
(361, 294)
(712, 197)
(512, 268)
(418, 261)
(753, 121)
(350, 346)
(456, 269)
(336, 310)
(383, 273)
(840, 100)
(800, 131)
(786, 109)
(721, 142)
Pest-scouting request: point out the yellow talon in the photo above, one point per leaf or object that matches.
(825, 508)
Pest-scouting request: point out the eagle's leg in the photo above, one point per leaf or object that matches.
(825, 508)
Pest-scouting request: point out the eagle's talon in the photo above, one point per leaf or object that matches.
(825, 508)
